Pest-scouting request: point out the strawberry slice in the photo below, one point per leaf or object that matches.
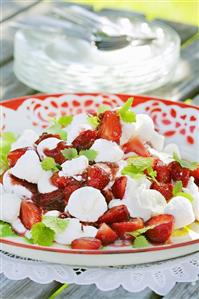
(56, 152)
(166, 189)
(121, 228)
(85, 140)
(51, 201)
(13, 156)
(86, 243)
(110, 127)
(108, 194)
(115, 214)
(163, 172)
(30, 213)
(163, 228)
(179, 173)
(119, 187)
(106, 234)
(45, 135)
(61, 181)
(195, 174)
(96, 177)
(135, 145)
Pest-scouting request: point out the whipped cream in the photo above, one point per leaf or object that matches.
(74, 167)
(107, 151)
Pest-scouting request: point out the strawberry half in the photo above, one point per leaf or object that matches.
(51, 201)
(166, 189)
(115, 214)
(121, 228)
(108, 194)
(110, 127)
(30, 213)
(86, 243)
(163, 228)
(96, 177)
(85, 140)
(119, 187)
(56, 152)
(106, 235)
(135, 145)
(195, 174)
(179, 173)
(13, 156)
(163, 172)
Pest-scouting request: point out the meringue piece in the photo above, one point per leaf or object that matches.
(133, 184)
(74, 166)
(192, 189)
(17, 189)
(72, 232)
(27, 139)
(44, 184)
(28, 234)
(89, 231)
(181, 208)
(18, 226)
(75, 131)
(107, 151)
(157, 141)
(153, 201)
(53, 213)
(115, 202)
(48, 143)
(144, 127)
(172, 148)
(128, 131)
(9, 207)
(28, 167)
(164, 157)
(121, 164)
(87, 204)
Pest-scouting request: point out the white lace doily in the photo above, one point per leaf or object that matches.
(159, 277)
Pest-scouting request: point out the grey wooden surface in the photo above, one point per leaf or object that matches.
(185, 84)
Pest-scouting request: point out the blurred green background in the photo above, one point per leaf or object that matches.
(185, 11)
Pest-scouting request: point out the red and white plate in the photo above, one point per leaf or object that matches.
(178, 122)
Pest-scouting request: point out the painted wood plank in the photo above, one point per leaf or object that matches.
(25, 289)
(11, 8)
(184, 291)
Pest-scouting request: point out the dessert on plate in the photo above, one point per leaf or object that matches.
(92, 180)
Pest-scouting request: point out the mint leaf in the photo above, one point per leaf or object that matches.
(70, 153)
(151, 173)
(131, 171)
(65, 120)
(6, 230)
(137, 165)
(140, 241)
(184, 163)
(93, 121)
(57, 129)
(126, 114)
(90, 154)
(177, 188)
(49, 163)
(8, 137)
(58, 225)
(103, 108)
(6, 140)
(141, 231)
(186, 195)
(42, 235)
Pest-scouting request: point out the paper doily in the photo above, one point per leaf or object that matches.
(159, 277)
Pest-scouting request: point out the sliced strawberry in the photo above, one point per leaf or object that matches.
(166, 189)
(163, 228)
(108, 194)
(13, 156)
(115, 214)
(119, 187)
(163, 172)
(110, 127)
(195, 173)
(114, 168)
(179, 173)
(121, 228)
(51, 201)
(30, 213)
(31, 187)
(96, 177)
(69, 189)
(85, 140)
(106, 234)
(61, 181)
(45, 135)
(86, 243)
(135, 145)
(56, 152)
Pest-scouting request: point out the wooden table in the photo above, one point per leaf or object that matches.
(184, 85)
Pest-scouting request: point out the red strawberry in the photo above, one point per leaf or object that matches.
(195, 173)
(30, 213)
(13, 156)
(135, 145)
(162, 230)
(45, 135)
(179, 173)
(56, 152)
(96, 177)
(61, 181)
(108, 195)
(163, 172)
(51, 201)
(115, 214)
(85, 140)
(106, 234)
(86, 243)
(121, 228)
(110, 127)
(113, 167)
(119, 187)
(166, 189)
